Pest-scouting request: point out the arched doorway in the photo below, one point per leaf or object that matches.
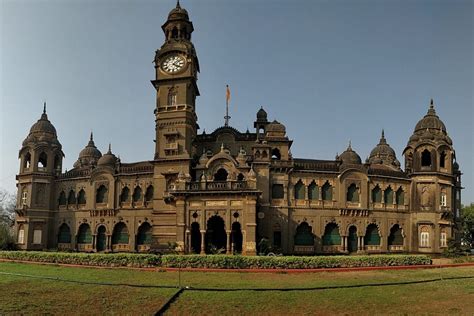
(216, 237)
(395, 238)
(304, 235)
(372, 237)
(84, 235)
(352, 239)
(101, 243)
(120, 237)
(236, 238)
(64, 234)
(331, 235)
(195, 238)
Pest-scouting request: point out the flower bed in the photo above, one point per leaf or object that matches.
(217, 261)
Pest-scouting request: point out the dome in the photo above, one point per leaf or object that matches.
(430, 121)
(43, 125)
(178, 13)
(383, 153)
(89, 155)
(261, 115)
(107, 159)
(349, 156)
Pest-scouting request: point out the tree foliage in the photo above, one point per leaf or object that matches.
(468, 225)
(7, 217)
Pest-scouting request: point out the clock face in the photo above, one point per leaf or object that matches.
(173, 63)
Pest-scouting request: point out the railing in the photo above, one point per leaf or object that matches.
(216, 186)
(120, 247)
(175, 107)
(84, 247)
(393, 248)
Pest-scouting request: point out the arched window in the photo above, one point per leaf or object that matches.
(240, 177)
(376, 194)
(84, 235)
(64, 234)
(27, 161)
(172, 96)
(331, 235)
(388, 195)
(120, 234)
(277, 191)
(425, 237)
(426, 158)
(304, 235)
(442, 159)
(221, 175)
(71, 199)
(276, 155)
(43, 160)
(62, 198)
(264, 154)
(299, 191)
(149, 194)
(352, 193)
(137, 194)
(81, 197)
(313, 191)
(125, 195)
(257, 154)
(327, 192)
(372, 237)
(101, 196)
(395, 238)
(400, 196)
(443, 199)
(144, 236)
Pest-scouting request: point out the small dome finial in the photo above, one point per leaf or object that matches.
(383, 133)
(177, 4)
(350, 145)
(431, 103)
(91, 137)
(110, 148)
(44, 107)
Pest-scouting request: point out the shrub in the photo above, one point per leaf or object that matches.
(216, 261)
(7, 241)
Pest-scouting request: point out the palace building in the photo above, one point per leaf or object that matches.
(227, 190)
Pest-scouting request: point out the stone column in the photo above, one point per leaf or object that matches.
(94, 246)
(227, 249)
(203, 240)
(108, 245)
(361, 243)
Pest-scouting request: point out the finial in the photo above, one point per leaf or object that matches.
(222, 146)
(431, 103)
(177, 4)
(91, 137)
(110, 148)
(44, 107)
(350, 145)
(383, 133)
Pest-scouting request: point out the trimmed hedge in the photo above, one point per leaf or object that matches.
(216, 261)
(89, 259)
(291, 262)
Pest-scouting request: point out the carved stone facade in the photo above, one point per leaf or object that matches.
(228, 190)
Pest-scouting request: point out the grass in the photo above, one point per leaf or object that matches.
(34, 296)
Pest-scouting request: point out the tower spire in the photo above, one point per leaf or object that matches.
(177, 4)
(44, 107)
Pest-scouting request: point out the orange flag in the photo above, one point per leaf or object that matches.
(227, 94)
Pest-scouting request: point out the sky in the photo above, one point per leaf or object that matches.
(331, 71)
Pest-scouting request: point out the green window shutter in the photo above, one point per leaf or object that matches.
(313, 192)
(327, 192)
(120, 234)
(352, 193)
(377, 195)
(304, 236)
(372, 236)
(64, 236)
(299, 191)
(400, 197)
(85, 235)
(331, 235)
(144, 235)
(388, 196)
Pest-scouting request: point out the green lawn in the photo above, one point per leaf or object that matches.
(32, 296)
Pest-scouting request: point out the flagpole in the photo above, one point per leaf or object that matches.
(227, 117)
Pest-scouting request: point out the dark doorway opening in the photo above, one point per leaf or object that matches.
(216, 237)
(195, 238)
(101, 239)
(221, 175)
(236, 237)
(352, 239)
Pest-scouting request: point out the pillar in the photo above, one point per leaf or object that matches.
(228, 250)
(94, 248)
(203, 245)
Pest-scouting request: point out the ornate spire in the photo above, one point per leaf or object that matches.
(177, 5)
(350, 145)
(110, 149)
(431, 110)
(44, 116)
(44, 107)
(382, 138)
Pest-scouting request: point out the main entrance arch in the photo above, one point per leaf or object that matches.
(216, 237)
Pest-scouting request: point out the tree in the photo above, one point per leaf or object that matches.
(468, 225)
(7, 218)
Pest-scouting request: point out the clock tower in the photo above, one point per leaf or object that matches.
(176, 66)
